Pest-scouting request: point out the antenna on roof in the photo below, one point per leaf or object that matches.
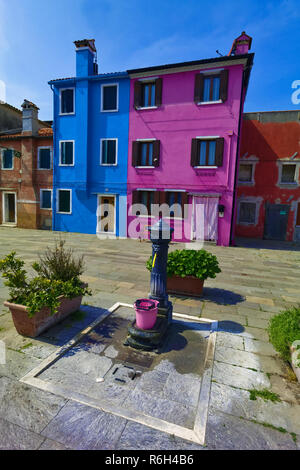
(217, 51)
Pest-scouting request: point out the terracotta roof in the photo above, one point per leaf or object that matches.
(43, 132)
(47, 131)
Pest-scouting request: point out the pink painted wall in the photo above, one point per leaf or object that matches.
(175, 123)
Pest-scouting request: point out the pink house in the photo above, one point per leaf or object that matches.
(184, 127)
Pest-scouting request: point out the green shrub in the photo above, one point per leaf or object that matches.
(197, 263)
(59, 263)
(38, 292)
(284, 329)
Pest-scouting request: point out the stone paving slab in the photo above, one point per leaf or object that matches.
(240, 377)
(237, 402)
(13, 437)
(28, 407)
(81, 427)
(249, 360)
(227, 432)
(261, 347)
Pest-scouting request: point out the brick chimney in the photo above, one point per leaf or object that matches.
(86, 58)
(241, 45)
(30, 123)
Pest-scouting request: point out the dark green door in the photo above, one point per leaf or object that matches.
(276, 220)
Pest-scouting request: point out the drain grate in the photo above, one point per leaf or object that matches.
(125, 373)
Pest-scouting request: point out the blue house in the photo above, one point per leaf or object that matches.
(90, 147)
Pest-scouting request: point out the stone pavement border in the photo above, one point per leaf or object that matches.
(196, 435)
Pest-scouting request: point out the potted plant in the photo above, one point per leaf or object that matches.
(48, 298)
(284, 334)
(187, 271)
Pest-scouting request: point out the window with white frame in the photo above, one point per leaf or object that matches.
(288, 173)
(109, 97)
(67, 101)
(64, 201)
(108, 150)
(44, 158)
(247, 212)
(66, 152)
(46, 199)
(246, 173)
(7, 159)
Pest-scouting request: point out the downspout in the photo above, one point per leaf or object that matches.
(236, 162)
(54, 145)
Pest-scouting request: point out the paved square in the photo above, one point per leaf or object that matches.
(258, 280)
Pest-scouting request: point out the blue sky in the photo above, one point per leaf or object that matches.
(36, 41)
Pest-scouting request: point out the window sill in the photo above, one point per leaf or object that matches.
(200, 103)
(246, 183)
(64, 213)
(45, 208)
(142, 108)
(144, 167)
(109, 110)
(67, 164)
(67, 114)
(7, 169)
(108, 164)
(294, 183)
(212, 167)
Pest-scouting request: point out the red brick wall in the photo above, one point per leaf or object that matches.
(26, 180)
(269, 142)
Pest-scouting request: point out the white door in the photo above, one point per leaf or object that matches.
(205, 218)
(9, 208)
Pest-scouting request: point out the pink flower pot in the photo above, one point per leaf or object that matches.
(146, 313)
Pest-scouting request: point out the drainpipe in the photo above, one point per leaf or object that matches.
(54, 144)
(236, 163)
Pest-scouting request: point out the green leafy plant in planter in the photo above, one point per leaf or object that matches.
(198, 263)
(284, 329)
(55, 279)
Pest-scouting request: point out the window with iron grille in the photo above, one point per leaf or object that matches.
(247, 212)
(288, 174)
(245, 172)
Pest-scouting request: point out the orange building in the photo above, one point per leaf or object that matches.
(26, 172)
(268, 191)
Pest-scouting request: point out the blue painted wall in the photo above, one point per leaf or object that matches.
(86, 127)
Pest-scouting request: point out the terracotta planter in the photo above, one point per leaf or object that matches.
(43, 319)
(188, 285)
